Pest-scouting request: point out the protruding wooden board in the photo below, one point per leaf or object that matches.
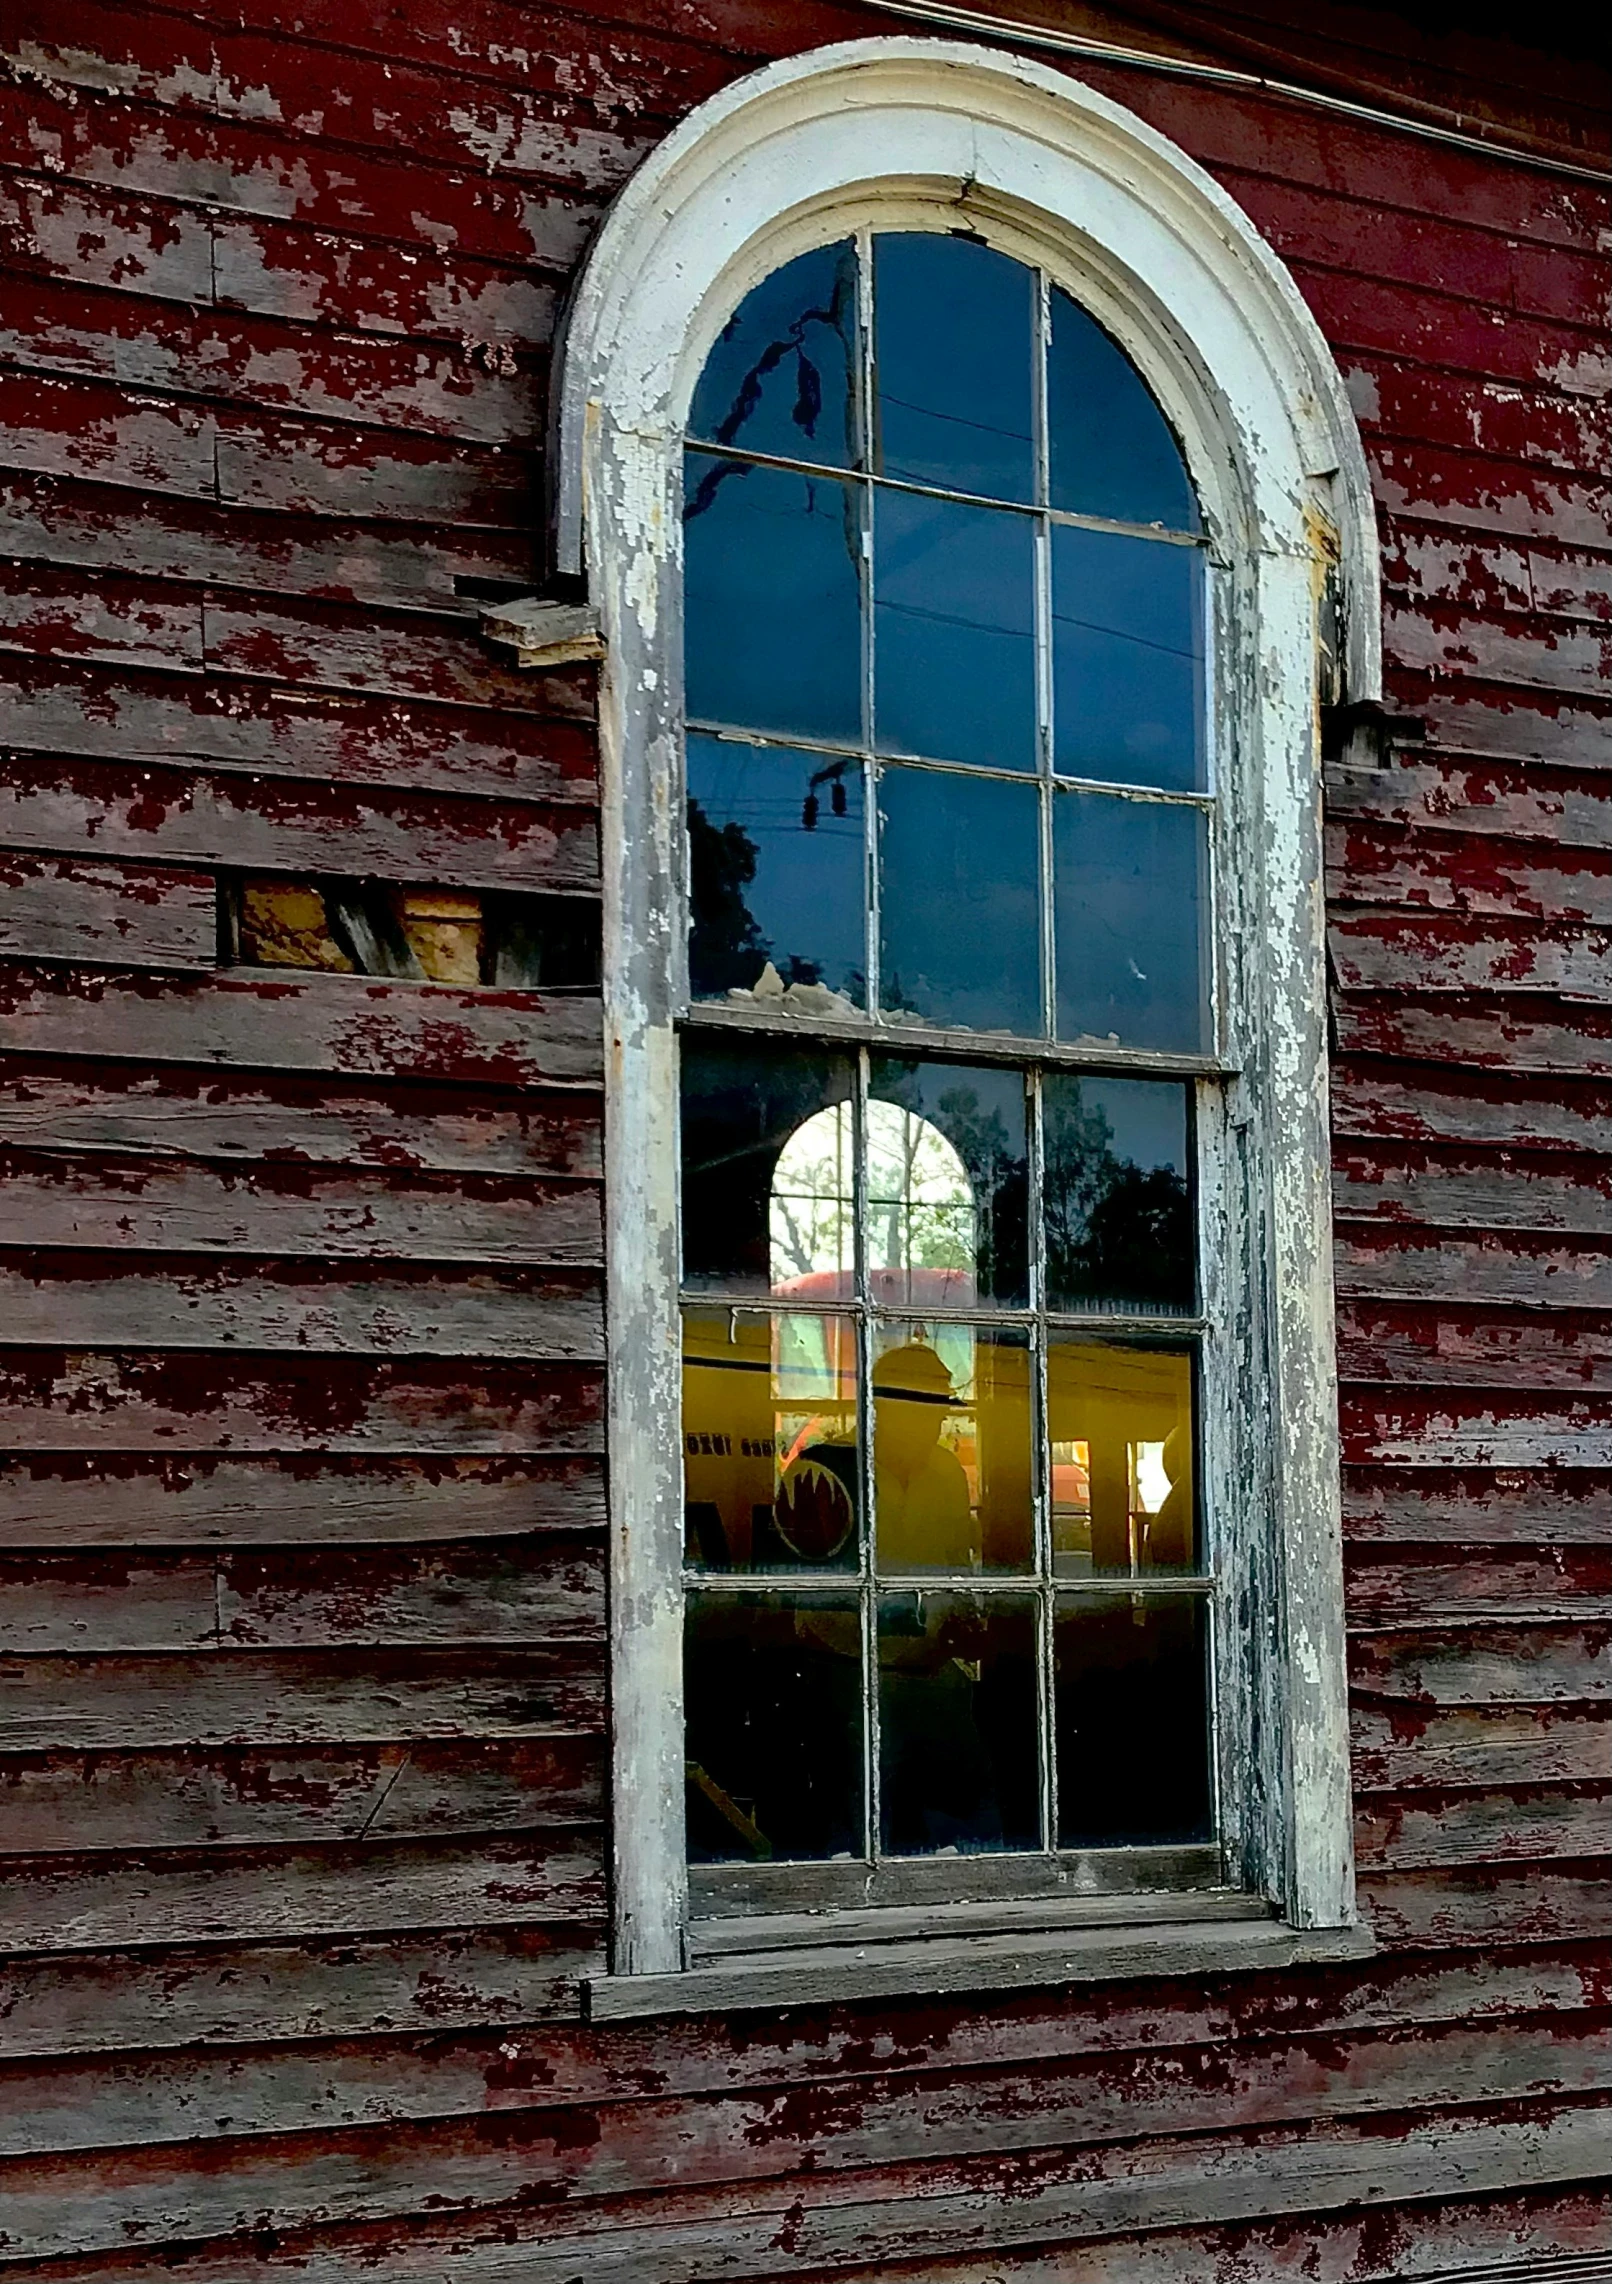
(105, 915)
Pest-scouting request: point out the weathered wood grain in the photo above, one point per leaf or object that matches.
(107, 1203)
(1481, 1031)
(372, 1312)
(105, 1498)
(1410, 953)
(1389, 867)
(1413, 1585)
(1476, 1510)
(1440, 1748)
(354, 1026)
(1497, 1905)
(1423, 1105)
(1450, 1345)
(1441, 1188)
(1459, 1430)
(110, 915)
(1514, 1268)
(1489, 1664)
(175, 816)
(201, 1402)
(106, 1804)
(239, 1697)
(1532, 1826)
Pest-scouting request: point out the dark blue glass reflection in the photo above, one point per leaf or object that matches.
(775, 868)
(954, 631)
(953, 335)
(1131, 903)
(959, 940)
(773, 599)
(1127, 659)
(782, 376)
(1111, 450)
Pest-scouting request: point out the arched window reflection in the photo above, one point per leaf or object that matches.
(922, 1226)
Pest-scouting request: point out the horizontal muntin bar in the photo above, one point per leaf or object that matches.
(1151, 1586)
(1071, 516)
(1150, 1328)
(859, 1030)
(770, 741)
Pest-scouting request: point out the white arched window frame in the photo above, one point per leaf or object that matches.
(900, 134)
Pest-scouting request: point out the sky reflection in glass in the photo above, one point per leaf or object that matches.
(953, 364)
(959, 942)
(1131, 909)
(1127, 660)
(954, 631)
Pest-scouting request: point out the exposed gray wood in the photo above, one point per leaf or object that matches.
(1444, 1911)
(1478, 1510)
(121, 1704)
(361, 1026)
(1424, 1105)
(1522, 1270)
(369, 1314)
(714, 1939)
(1487, 1583)
(1449, 1746)
(1487, 1665)
(211, 1895)
(361, 1986)
(1532, 1040)
(105, 1803)
(1404, 1183)
(1453, 1430)
(106, 915)
(1449, 1345)
(1454, 796)
(544, 634)
(174, 816)
(1486, 1828)
(57, 1502)
(162, 1205)
(835, 1972)
(206, 1402)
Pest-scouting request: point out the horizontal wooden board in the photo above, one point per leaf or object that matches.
(1509, 1113)
(1486, 1664)
(1428, 565)
(1480, 1031)
(1476, 491)
(545, 1588)
(110, 1499)
(72, 1202)
(1517, 421)
(357, 1026)
(1441, 1748)
(1441, 1188)
(1450, 1429)
(1514, 1268)
(1444, 1911)
(1383, 1507)
(176, 816)
(1438, 953)
(1486, 877)
(57, 1302)
(1497, 800)
(105, 915)
(55, 1904)
(1532, 1826)
(90, 1704)
(227, 1119)
(105, 1804)
(363, 1986)
(182, 1404)
(47, 706)
(1417, 1585)
(1450, 1345)
(1467, 719)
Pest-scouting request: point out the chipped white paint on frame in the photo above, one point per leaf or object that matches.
(1056, 174)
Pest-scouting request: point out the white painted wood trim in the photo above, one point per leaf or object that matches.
(912, 132)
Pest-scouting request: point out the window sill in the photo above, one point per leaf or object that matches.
(1199, 1939)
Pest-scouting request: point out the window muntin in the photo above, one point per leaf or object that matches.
(945, 1584)
(981, 647)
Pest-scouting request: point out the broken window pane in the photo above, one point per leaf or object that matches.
(1127, 660)
(948, 1184)
(773, 580)
(776, 871)
(952, 1443)
(953, 357)
(1131, 1688)
(954, 631)
(742, 1103)
(1131, 886)
(773, 1696)
(1112, 452)
(782, 376)
(1120, 1423)
(960, 933)
(770, 1440)
(958, 1765)
(1116, 1195)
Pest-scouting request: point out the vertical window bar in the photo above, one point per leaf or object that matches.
(870, 782)
(1043, 649)
(863, 1325)
(1041, 1474)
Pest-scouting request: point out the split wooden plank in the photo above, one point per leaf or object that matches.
(1414, 1585)
(1532, 1825)
(1439, 1188)
(106, 915)
(1515, 1268)
(1476, 1510)
(1554, 1662)
(1446, 1748)
(1473, 1431)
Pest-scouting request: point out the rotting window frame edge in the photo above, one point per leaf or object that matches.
(1219, 329)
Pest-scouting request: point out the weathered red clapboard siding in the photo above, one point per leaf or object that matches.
(302, 1654)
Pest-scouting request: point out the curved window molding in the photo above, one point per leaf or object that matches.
(1049, 171)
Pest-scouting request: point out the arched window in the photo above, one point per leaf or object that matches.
(964, 984)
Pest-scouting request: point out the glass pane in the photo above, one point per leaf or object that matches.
(1112, 451)
(772, 590)
(948, 1185)
(1132, 1696)
(960, 930)
(1131, 908)
(958, 1767)
(742, 1105)
(1120, 1421)
(1127, 659)
(782, 376)
(773, 1688)
(769, 1441)
(954, 631)
(776, 872)
(1116, 1196)
(953, 329)
(951, 1449)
